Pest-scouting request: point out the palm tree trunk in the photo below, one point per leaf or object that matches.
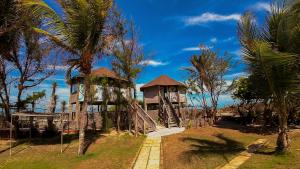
(282, 139)
(83, 116)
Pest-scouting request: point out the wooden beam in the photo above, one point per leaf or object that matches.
(178, 101)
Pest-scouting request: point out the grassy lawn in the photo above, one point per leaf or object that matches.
(107, 152)
(267, 158)
(211, 147)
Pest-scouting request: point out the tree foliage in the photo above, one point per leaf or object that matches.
(23, 52)
(206, 78)
(272, 57)
(80, 31)
(128, 54)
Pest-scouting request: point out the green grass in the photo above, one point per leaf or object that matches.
(268, 158)
(112, 152)
(212, 147)
(204, 148)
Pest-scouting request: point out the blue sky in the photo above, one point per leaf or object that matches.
(170, 32)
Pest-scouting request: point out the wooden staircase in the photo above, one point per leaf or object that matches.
(170, 117)
(144, 122)
(172, 120)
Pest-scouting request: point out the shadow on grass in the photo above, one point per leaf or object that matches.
(247, 129)
(202, 148)
(53, 140)
(19, 142)
(91, 137)
(267, 151)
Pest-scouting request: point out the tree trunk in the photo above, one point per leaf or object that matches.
(282, 139)
(83, 116)
(118, 117)
(51, 108)
(130, 112)
(19, 99)
(7, 110)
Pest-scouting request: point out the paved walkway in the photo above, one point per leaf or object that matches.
(245, 155)
(149, 156)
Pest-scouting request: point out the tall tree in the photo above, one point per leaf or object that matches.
(5, 83)
(9, 36)
(32, 99)
(80, 32)
(22, 48)
(52, 106)
(128, 56)
(53, 99)
(273, 58)
(206, 77)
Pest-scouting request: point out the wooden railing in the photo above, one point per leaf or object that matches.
(145, 122)
(165, 112)
(173, 112)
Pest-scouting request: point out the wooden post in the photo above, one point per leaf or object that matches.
(77, 111)
(145, 105)
(159, 94)
(61, 133)
(169, 94)
(144, 127)
(135, 125)
(31, 121)
(10, 135)
(70, 107)
(68, 123)
(178, 101)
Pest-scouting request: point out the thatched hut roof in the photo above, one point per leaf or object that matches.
(162, 80)
(104, 72)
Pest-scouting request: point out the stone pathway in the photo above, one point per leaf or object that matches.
(245, 155)
(149, 156)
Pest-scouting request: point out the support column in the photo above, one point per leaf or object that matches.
(145, 106)
(159, 95)
(178, 101)
(77, 112)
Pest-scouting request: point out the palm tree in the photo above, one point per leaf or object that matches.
(272, 57)
(53, 99)
(206, 77)
(128, 59)
(52, 106)
(80, 32)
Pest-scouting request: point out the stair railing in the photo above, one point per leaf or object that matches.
(144, 117)
(147, 118)
(177, 118)
(166, 113)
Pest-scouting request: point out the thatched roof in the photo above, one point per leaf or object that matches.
(104, 72)
(162, 80)
(101, 73)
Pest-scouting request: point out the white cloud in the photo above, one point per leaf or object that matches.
(228, 39)
(214, 40)
(57, 67)
(235, 75)
(237, 52)
(196, 48)
(154, 63)
(191, 49)
(210, 17)
(261, 6)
